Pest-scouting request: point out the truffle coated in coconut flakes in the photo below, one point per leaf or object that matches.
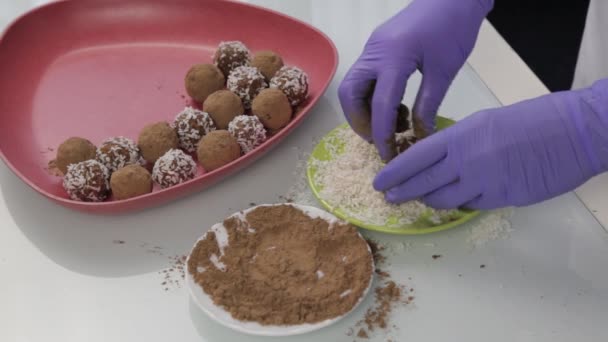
(87, 181)
(230, 55)
(248, 131)
(191, 125)
(293, 82)
(117, 152)
(173, 168)
(246, 82)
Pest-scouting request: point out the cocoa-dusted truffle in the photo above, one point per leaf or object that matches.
(202, 80)
(223, 106)
(72, 151)
(272, 107)
(230, 55)
(87, 181)
(268, 62)
(293, 82)
(130, 181)
(191, 125)
(118, 152)
(155, 140)
(217, 149)
(246, 82)
(172, 168)
(248, 131)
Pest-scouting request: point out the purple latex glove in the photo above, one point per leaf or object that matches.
(434, 36)
(515, 155)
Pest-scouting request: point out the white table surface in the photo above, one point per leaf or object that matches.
(64, 277)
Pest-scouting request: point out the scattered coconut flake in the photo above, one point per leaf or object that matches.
(299, 192)
(345, 293)
(491, 226)
(320, 274)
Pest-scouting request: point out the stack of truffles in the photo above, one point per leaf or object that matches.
(244, 100)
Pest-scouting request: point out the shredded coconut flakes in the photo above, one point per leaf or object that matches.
(346, 181)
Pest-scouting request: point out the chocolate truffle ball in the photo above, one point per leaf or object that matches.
(403, 118)
(202, 80)
(72, 151)
(172, 168)
(155, 140)
(130, 181)
(248, 131)
(230, 55)
(268, 62)
(223, 106)
(191, 125)
(246, 82)
(272, 108)
(115, 153)
(293, 82)
(217, 149)
(87, 181)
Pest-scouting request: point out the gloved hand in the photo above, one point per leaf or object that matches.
(515, 155)
(434, 36)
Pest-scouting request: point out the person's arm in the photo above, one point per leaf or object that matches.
(515, 155)
(433, 36)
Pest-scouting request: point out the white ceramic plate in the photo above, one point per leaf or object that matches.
(223, 317)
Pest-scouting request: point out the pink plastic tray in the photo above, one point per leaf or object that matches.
(101, 68)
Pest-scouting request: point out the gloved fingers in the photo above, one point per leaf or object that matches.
(451, 196)
(388, 93)
(483, 202)
(354, 93)
(432, 90)
(425, 182)
(415, 160)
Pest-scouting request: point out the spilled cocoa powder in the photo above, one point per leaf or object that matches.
(282, 267)
(53, 169)
(387, 295)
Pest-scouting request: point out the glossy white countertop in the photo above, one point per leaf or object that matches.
(67, 276)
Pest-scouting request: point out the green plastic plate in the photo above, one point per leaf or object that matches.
(422, 226)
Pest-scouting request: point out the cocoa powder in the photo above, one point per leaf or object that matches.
(282, 267)
(388, 296)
